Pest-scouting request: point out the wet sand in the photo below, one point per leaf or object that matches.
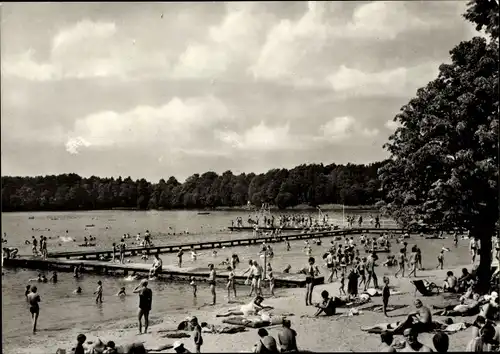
(315, 334)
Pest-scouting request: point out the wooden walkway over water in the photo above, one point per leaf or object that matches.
(171, 273)
(134, 251)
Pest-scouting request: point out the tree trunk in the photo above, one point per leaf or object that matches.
(484, 236)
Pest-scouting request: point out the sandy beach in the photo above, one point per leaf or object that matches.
(314, 334)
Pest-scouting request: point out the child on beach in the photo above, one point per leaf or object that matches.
(193, 285)
(440, 260)
(385, 295)
(230, 284)
(198, 339)
(98, 292)
(342, 282)
(121, 292)
(271, 283)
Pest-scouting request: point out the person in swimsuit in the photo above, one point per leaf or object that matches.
(420, 321)
(53, 278)
(252, 308)
(145, 302)
(401, 263)
(329, 265)
(179, 257)
(34, 299)
(230, 284)
(311, 270)
(122, 292)
(98, 292)
(257, 277)
(193, 285)
(211, 280)
(27, 291)
(327, 306)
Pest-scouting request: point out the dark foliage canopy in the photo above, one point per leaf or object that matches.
(305, 184)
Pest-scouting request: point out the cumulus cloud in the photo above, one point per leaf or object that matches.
(262, 137)
(339, 129)
(395, 82)
(177, 124)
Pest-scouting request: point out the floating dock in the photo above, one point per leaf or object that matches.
(169, 273)
(134, 251)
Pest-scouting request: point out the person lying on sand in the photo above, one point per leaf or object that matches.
(464, 308)
(252, 308)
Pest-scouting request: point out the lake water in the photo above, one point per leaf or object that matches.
(61, 309)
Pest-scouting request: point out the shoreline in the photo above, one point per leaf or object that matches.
(302, 207)
(343, 332)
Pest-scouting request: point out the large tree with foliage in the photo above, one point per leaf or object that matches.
(443, 169)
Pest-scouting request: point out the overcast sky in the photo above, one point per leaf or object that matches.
(159, 89)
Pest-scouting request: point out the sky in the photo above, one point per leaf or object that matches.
(151, 90)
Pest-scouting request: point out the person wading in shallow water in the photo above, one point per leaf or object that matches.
(145, 301)
(211, 281)
(34, 299)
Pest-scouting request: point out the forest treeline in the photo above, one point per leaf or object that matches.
(312, 185)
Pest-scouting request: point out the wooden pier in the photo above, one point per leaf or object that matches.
(268, 228)
(169, 273)
(134, 251)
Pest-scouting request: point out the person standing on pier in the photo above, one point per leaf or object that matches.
(145, 301)
(34, 244)
(34, 299)
(121, 248)
(211, 281)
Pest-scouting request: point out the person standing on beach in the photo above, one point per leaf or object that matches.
(440, 260)
(370, 265)
(418, 258)
(311, 270)
(211, 280)
(473, 248)
(401, 263)
(230, 284)
(412, 262)
(386, 294)
(145, 301)
(34, 299)
(198, 339)
(98, 292)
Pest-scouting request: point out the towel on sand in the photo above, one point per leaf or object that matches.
(379, 308)
(241, 321)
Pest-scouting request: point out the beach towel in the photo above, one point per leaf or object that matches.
(240, 321)
(379, 308)
(223, 329)
(176, 335)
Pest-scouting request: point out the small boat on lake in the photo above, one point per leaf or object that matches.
(203, 213)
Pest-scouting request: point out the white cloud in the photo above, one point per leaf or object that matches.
(392, 125)
(262, 137)
(82, 31)
(176, 124)
(394, 82)
(340, 128)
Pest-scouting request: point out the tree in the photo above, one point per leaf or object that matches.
(443, 169)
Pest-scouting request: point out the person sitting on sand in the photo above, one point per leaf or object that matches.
(121, 293)
(412, 343)
(80, 340)
(266, 344)
(450, 284)
(327, 306)
(464, 280)
(287, 338)
(252, 308)
(484, 342)
(441, 342)
(387, 338)
(420, 321)
(490, 309)
(179, 347)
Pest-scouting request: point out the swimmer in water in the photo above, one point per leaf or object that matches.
(39, 278)
(214, 253)
(77, 290)
(194, 255)
(121, 293)
(53, 278)
(34, 299)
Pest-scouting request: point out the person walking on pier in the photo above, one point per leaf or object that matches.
(34, 299)
(211, 281)
(145, 301)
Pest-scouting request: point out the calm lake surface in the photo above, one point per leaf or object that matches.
(60, 309)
